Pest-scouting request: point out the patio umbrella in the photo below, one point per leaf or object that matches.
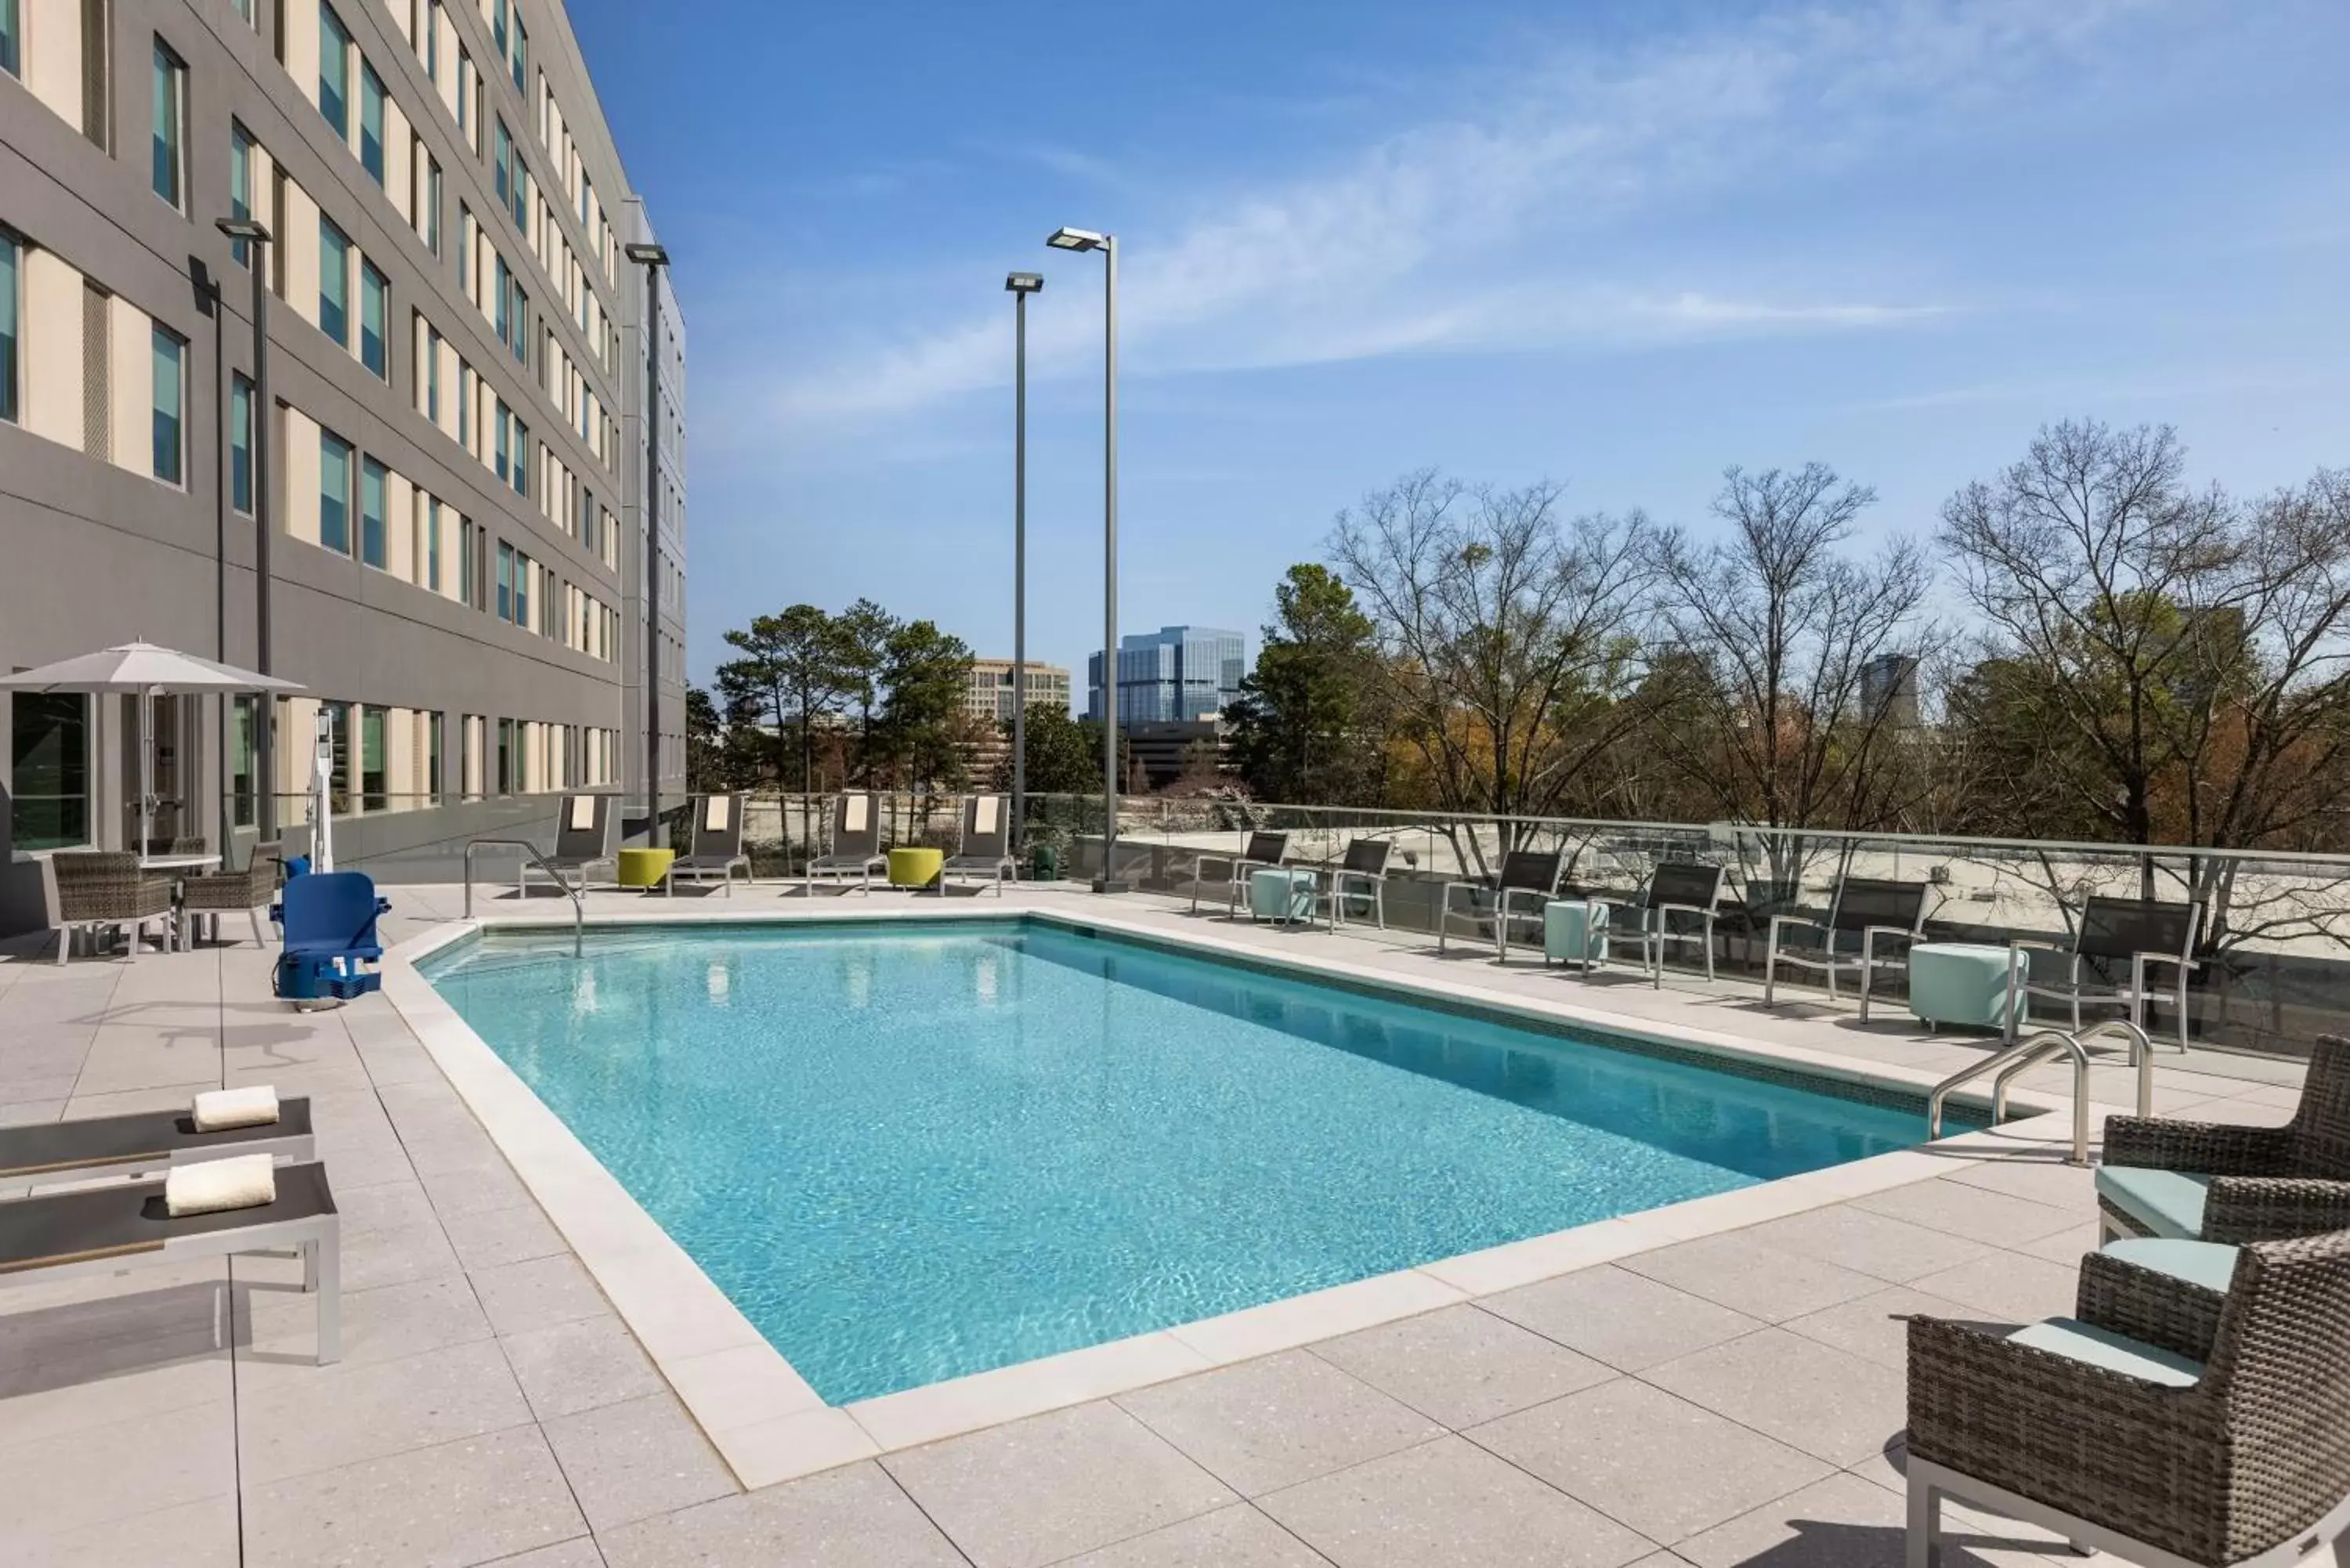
(148, 672)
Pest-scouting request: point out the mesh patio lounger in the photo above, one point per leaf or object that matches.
(2138, 932)
(716, 846)
(986, 846)
(856, 844)
(1526, 875)
(1864, 911)
(101, 1230)
(142, 1141)
(2132, 1431)
(2217, 1181)
(587, 835)
(1263, 852)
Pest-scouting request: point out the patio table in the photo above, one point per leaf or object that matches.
(182, 938)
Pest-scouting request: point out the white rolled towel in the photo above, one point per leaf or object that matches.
(248, 1181)
(217, 1110)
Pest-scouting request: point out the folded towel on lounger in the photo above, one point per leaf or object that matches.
(217, 1110)
(248, 1181)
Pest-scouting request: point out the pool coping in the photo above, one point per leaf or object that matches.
(770, 1425)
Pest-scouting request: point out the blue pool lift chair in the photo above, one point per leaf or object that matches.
(331, 947)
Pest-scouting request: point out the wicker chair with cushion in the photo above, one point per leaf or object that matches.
(220, 892)
(2132, 1428)
(100, 889)
(2216, 1181)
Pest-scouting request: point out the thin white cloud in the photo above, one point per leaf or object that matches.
(1479, 231)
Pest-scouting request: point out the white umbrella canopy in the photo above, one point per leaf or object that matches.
(148, 671)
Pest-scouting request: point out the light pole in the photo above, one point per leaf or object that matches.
(1087, 239)
(1020, 284)
(652, 258)
(258, 409)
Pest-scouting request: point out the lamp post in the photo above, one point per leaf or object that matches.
(652, 258)
(1087, 239)
(1020, 284)
(257, 238)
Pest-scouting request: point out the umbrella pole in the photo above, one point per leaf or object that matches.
(146, 770)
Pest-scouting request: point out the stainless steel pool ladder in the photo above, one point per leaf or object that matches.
(578, 899)
(2028, 1053)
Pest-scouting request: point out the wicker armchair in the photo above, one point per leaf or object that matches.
(251, 890)
(102, 889)
(2238, 1454)
(2253, 1183)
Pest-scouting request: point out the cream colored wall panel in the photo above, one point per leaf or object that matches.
(400, 553)
(299, 441)
(399, 162)
(299, 238)
(297, 742)
(52, 54)
(52, 349)
(299, 46)
(450, 414)
(400, 759)
(402, 20)
(130, 384)
(265, 193)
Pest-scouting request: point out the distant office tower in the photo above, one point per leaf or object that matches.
(1173, 675)
(989, 694)
(1889, 689)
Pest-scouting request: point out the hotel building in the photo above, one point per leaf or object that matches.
(453, 443)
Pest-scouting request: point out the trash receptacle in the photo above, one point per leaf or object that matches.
(1043, 864)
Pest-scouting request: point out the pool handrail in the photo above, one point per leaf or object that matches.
(578, 899)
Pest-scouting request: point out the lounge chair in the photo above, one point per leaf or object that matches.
(214, 894)
(1526, 875)
(856, 843)
(331, 944)
(716, 846)
(139, 1142)
(1262, 851)
(1864, 911)
(2142, 932)
(1363, 874)
(987, 846)
(2123, 1429)
(104, 889)
(2214, 1181)
(587, 835)
(102, 1229)
(1675, 888)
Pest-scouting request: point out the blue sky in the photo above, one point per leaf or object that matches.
(1618, 245)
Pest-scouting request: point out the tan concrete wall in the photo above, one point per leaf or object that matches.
(51, 336)
(130, 384)
(52, 54)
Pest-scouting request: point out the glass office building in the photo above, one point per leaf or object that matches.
(1176, 674)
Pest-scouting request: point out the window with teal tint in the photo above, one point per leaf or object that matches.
(466, 96)
(503, 421)
(170, 120)
(428, 32)
(469, 545)
(520, 458)
(240, 188)
(240, 444)
(334, 71)
(431, 205)
(48, 790)
(502, 163)
(333, 281)
(523, 567)
(520, 206)
(12, 275)
(12, 51)
(371, 122)
(338, 747)
(433, 544)
(374, 794)
(498, 25)
(521, 316)
(506, 757)
(241, 719)
(432, 786)
(433, 375)
(374, 479)
(505, 581)
(521, 53)
(503, 304)
(375, 307)
(171, 406)
(334, 493)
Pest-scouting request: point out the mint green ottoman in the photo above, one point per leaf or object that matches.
(1575, 931)
(1962, 983)
(1281, 895)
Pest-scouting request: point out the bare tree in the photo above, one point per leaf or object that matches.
(1510, 639)
(1782, 723)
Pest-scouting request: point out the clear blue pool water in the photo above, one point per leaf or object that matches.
(915, 1153)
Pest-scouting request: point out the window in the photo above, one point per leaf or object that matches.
(240, 186)
(373, 481)
(502, 164)
(333, 281)
(375, 307)
(587, 511)
(521, 53)
(506, 757)
(498, 27)
(502, 305)
(523, 570)
(12, 57)
(334, 72)
(431, 205)
(503, 422)
(170, 120)
(432, 545)
(371, 122)
(334, 493)
(426, 25)
(241, 716)
(48, 793)
(240, 445)
(12, 258)
(433, 375)
(467, 120)
(337, 716)
(469, 586)
(505, 581)
(171, 375)
(374, 796)
(520, 458)
(520, 316)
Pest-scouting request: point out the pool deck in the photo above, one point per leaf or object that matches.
(1718, 1387)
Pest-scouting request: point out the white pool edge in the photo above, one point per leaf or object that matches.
(770, 1425)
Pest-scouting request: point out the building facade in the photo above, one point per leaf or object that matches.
(988, 697)
(454, 394)
(1178, 674)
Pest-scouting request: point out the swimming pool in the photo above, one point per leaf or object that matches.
(913, 1150)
